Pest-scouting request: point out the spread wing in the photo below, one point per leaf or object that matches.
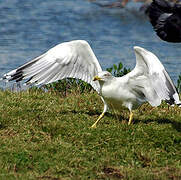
(151, 79)
(74, 59)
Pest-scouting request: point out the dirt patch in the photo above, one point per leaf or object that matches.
(112, 172)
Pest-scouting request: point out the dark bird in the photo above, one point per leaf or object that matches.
(166, 20)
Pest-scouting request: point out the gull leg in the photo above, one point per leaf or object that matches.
(130, 118)
(101, 116)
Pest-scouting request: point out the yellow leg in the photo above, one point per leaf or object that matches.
(130, 118)
(100, 117)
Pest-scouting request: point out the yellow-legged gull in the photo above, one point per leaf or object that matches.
(147, 82)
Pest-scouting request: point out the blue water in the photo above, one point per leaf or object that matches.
(29, 28)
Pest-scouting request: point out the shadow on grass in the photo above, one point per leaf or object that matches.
(176, 125)
(90, 113)
(3, 126)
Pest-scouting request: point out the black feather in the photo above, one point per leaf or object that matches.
(18, 76)
(165, 18)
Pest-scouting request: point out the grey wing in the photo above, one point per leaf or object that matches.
(153, 80)
(74, 59)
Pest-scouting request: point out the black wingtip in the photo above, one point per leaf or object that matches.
(18, 76)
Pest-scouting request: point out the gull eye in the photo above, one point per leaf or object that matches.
(106, 75)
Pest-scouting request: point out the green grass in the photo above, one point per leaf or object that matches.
(47, 136)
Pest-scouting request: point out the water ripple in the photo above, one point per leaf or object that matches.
(30, 28)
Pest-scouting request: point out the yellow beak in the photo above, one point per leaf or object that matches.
(96, 78)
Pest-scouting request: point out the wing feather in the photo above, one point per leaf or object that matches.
(74, 59)
(156, 83)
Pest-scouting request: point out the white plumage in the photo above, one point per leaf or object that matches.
(148, 81)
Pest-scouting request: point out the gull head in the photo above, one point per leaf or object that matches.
(103, 76)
